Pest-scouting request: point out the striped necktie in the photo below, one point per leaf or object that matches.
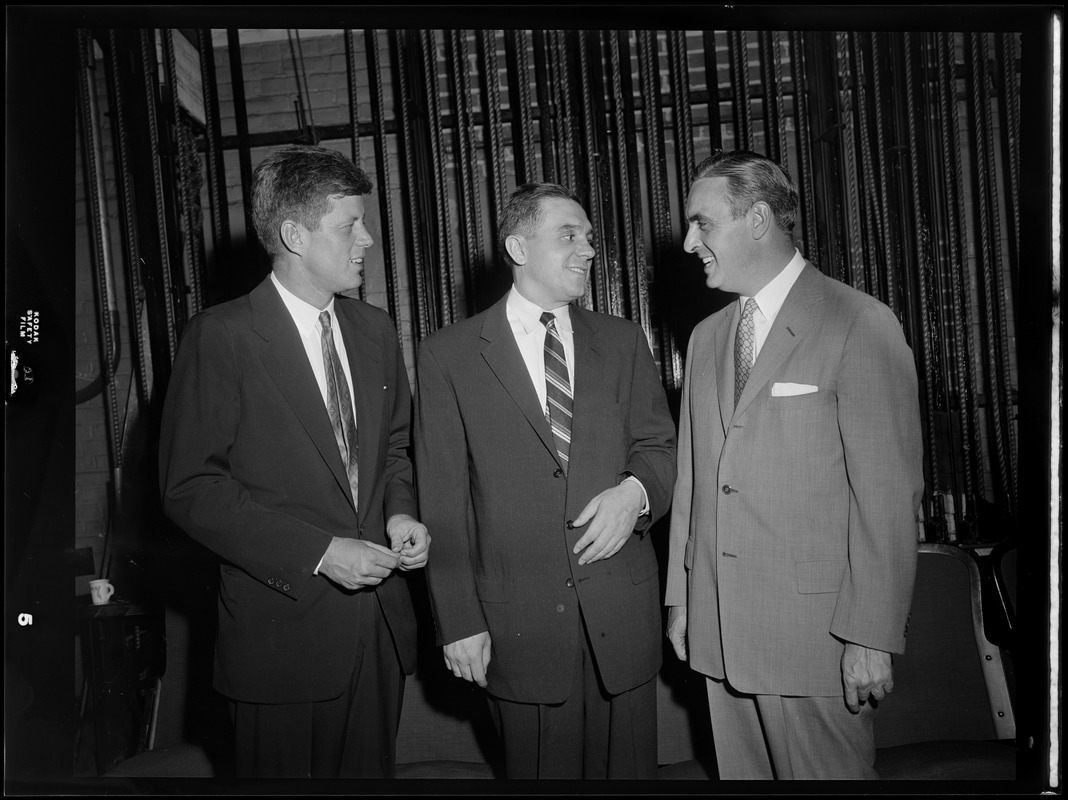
(339, 406)
(558, 397)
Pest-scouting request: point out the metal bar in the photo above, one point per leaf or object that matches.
(378, 113)
(417, 288)
(548, 113)
(220, 215)
(743, 113)
(715, 131)
(237, 81)
(766, 57)
(354, 116)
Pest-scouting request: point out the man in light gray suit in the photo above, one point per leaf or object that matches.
(793, 528)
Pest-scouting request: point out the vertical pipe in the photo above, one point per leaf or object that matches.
(715, 130)
(237, 80)
(548, 113)
(417, 286)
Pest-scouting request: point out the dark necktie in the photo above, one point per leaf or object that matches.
(558, 395)
(339, 406)
(743, 348)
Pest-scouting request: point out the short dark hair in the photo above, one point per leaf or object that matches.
(297, 183)
(752, 177)
(522, 212)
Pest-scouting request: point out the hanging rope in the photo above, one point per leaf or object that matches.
(135, 286)
(594, 288)
(959, 307)
(872, 229)
(891, 261)
(442, 264)
(300, 75)
(993, 327)
(923, 258)
(973, 361)
(622, 278)
(148, 54)
(804, 145)
(354, 100)
(220, 217)
(854, 235)
(715, 132)
(492, 112)
(378, 115)
(473, 262)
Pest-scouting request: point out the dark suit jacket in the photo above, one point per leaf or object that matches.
(793, 527)
(496, 502)
(250, 468)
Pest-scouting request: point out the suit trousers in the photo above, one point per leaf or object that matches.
(591, 735)
(353, 735)
(768, 737)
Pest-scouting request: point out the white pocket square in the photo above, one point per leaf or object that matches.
(792, 389)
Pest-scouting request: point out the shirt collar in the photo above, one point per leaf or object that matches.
(773, 295)
(304, 313)
(528, 314)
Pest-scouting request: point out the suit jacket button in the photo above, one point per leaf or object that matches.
(560, 608)
(570, 583)
(570, 525)
(270, 581)
(727, 489)
(285, 588)
(559, 473)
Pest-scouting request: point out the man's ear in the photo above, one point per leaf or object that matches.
(516, 247)
(293, 237)
(760, 219)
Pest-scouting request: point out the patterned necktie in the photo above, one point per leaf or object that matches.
(558, 395)
(339, 406)
(743, 348)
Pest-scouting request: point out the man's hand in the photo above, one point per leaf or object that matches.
(676, 630)
(469, 658)
(614, 513)
(354, 563)
(409, 539)
(865, 673)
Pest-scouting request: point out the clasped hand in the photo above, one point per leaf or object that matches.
(612, 516)
(358, 563)
(866, 673)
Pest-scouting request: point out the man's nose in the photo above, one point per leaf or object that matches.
(691, 241)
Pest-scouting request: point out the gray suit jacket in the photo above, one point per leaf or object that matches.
(793, 526)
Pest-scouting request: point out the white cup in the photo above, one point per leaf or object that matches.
(102, 590)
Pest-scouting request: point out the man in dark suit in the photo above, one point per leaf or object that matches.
(283, 450)
(793, 529)
(544, 452)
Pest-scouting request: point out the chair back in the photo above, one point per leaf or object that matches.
(950, 683)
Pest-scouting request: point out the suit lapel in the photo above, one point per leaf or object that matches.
(503, 357)
(365, 366)
(587, 381)
(723, 344)
(286, 361)
(791, 324)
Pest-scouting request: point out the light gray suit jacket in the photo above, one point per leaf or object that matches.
(793, 524)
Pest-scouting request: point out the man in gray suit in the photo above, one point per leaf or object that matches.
(793, 529)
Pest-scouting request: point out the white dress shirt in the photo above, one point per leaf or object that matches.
(524, 317)
(306, 318)
(770, 299)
